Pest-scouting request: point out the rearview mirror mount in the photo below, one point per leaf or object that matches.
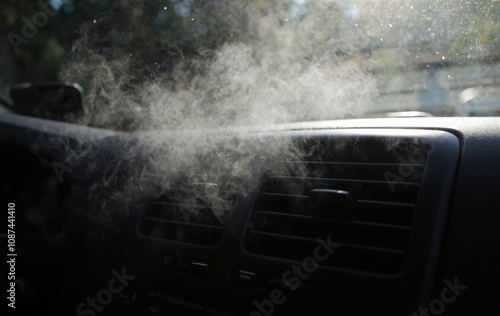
(55, 101)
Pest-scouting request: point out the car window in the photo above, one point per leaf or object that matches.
(155, 64)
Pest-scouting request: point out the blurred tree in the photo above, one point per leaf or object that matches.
(37, 59)
(155, 36)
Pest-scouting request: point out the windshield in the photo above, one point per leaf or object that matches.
(147, 64)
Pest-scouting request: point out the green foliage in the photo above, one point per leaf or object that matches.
(155, 36)
(39, 58)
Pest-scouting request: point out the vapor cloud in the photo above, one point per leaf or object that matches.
(265, 68)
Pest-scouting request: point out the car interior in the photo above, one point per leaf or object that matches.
(399, 208)
(298, 157)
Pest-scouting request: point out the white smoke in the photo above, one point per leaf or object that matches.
(192, 119)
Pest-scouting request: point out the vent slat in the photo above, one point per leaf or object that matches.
(387, 203)
(174, 206)
(293, 239)
(362, 210)
(399, 192)
(333, 221)
(158, 220)
(193, 234)
(345, 256)
(336, 179)
(188, 213)
(362, 233)
(353, 170)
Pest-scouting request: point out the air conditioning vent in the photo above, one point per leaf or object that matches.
(362, 193)
(194, 213)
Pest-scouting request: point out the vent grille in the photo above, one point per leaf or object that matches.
(365, 202)
(194, 214)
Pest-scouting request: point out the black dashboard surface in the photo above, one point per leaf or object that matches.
(427, 244)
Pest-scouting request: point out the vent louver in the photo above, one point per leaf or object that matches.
(362, 193)
(194, 214)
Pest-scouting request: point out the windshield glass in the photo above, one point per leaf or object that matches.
(180, 63)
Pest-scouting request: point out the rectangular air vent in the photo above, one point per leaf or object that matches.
(194, 213)
(362, 193)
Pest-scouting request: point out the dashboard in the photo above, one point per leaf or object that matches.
(395, 216)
